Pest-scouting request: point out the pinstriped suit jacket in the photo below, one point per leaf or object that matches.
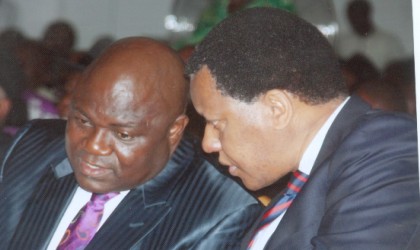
(189, 205)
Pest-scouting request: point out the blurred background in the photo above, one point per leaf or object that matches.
(92, 19)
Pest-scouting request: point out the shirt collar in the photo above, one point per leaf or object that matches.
(309, 156)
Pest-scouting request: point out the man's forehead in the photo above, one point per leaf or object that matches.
(114, 115)
(203, 76)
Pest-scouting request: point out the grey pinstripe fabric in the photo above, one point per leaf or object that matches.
(189, 205)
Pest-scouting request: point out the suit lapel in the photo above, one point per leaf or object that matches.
(343, 124)
(303, 216)
(348, 117)
(144, 208)
(251, 232)
(136, 217)
(44, 210)
(131, 222)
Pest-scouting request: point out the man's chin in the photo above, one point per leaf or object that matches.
(91, 185)
(253, 186)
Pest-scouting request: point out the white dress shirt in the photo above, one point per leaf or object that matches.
(80, 198)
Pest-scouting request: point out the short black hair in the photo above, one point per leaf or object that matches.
(260, 49)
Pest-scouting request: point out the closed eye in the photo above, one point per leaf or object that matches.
(82, 121)
(123, 136)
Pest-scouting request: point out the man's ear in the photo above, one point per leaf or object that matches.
(280, 107)
(5, 106)
(176, 130)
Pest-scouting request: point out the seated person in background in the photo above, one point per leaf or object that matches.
(123, 143)
(401, 74)
(100, 45)
(367, 39)
(74, 75)
(382, 95)
(12, 80)
(37, 65)
(358, 69)
(271, 90)
(60, 38)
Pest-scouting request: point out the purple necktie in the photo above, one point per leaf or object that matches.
(293, 187)
(83, 227)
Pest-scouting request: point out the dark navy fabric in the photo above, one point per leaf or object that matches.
(363, 192)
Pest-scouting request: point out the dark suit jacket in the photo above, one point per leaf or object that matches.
(5, 140)
(189, 205)
(363, 191)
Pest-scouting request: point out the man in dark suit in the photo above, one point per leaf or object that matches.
(123, 141)
(270, 88)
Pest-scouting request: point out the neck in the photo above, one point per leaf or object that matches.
(309, 120)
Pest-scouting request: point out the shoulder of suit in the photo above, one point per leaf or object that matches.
(228, 189)
(39, 132)
(37, 137)
(52, 127)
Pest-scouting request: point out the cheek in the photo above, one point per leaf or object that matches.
(235, 143)
(129, 156)
(241, 135)
(140, 164)
(134, 159)
(247, 145)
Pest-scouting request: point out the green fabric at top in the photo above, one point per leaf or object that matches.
(219, 11)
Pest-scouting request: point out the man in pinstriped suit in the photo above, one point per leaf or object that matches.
(124, 134)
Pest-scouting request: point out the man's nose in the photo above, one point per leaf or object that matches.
(211, 142)
(98, 142)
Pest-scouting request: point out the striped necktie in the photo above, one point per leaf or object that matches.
(296, 182)
(83, 227)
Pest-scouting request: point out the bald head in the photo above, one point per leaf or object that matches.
(155, 70)
(127, 115)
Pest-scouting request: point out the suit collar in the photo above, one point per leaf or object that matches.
(291, 228)
(157, 189)
(343, 124)
(50, 198)
(62, 169)
(146, 206)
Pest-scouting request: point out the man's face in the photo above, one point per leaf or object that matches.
(117, 132)
(239, 132)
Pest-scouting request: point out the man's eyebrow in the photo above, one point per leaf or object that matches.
(74, 107)
(135, 124)
(127, 125)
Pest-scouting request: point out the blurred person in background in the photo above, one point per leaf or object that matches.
(13, 80)
(367, 39)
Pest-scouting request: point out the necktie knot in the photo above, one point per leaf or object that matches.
(294, 185)
(296, 182)
(84, 226)
(97, 201)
